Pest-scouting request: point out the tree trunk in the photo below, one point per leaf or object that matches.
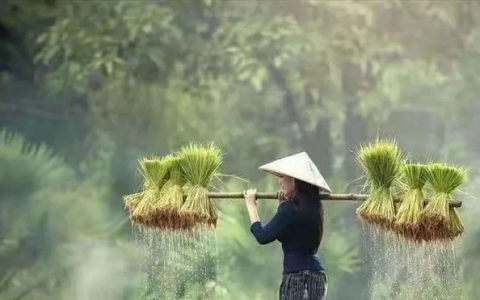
(317, 143)
(355, 132)
(355, 126)
(320, 147)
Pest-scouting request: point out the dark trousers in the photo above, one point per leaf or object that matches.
(304, 285)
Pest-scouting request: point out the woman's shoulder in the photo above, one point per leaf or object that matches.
(286, 204)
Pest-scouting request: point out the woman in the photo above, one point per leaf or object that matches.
(298, 225)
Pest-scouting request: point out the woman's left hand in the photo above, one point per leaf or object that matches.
(250, 197)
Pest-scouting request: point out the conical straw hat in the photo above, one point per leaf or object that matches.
(298, 166)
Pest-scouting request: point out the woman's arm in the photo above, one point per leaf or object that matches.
(251, 203)
(270, 232)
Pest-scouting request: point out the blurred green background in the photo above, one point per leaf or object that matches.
(89, 87)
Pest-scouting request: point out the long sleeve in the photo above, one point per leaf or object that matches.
(270, 232)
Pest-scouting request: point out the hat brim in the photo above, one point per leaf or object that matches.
(322, 189)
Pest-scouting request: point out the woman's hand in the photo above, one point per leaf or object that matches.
(282, 197)
(250, 197)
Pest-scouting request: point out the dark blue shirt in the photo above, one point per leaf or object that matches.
(299, 235)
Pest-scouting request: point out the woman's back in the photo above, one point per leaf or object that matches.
(302, 234)
(298, 225)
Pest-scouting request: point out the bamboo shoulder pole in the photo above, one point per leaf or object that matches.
(323, 196)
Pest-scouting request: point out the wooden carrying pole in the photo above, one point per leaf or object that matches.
(323, 196)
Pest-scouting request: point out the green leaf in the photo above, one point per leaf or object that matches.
(244, 75)
(277, 61)
(257, 83)
(109, 67)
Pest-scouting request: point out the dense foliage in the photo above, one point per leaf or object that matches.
(88, 87)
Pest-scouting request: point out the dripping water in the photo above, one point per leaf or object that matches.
(404, 270)
(174, 263)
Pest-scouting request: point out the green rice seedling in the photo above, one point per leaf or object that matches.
(131, 201)
(441, 220)
(407, 221)
(155, 172)
(173, 200)
(143, 212)
(456, 225)
(381, 161)
(199, 165)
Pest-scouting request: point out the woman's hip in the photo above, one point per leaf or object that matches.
(304, 285)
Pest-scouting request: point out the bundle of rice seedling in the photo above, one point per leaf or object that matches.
(381, 161)
(199, 165)
(441, 220)
(407, 221)
(148, 212)
(172, 195)
(131, 201)
(456, 225)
